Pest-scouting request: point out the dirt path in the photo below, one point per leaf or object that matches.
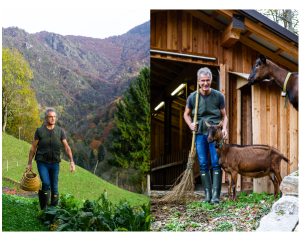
(245, 214)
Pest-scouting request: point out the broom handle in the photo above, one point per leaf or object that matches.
(195, 117)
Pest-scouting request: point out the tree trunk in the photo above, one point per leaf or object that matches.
(289, 20)
(4, 119)
(148, 185)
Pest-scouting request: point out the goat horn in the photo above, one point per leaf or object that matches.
(207, 124)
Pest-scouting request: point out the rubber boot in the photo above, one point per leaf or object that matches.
(206, 183)
(44, 199)
(217, 184)
(54, 199)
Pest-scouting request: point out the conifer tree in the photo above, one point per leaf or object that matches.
(101, 153)
(131, 144)
(92, 160)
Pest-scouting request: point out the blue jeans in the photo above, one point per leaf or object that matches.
(49, 176)
(202, 147)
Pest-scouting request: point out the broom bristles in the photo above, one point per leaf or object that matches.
(183, 187)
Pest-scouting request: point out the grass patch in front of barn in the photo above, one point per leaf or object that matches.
(243, 215)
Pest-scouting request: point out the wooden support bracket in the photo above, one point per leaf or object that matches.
(230, 36)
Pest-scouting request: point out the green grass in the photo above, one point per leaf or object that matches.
(19, 214)
(81, 184)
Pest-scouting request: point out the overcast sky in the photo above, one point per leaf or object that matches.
(87, 18)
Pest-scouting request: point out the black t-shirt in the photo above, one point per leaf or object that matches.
(221, 101)
(63, 134)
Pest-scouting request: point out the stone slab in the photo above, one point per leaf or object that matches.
(284, 216)
(289, 185)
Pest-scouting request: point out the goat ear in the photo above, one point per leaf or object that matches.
(207, 124)
(220, 124)
(262, 58)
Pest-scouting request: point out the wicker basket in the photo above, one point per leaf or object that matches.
(30, 182)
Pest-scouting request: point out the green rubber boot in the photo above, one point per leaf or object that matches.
(206, 183)
(217, 184)
(44, 199)
(54, 199)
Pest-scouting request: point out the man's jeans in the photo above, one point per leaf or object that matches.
(49, 176)
(202, 147)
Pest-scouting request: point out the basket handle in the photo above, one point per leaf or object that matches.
(29, 171)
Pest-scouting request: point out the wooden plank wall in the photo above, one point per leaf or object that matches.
(179, 30)
(274, 126)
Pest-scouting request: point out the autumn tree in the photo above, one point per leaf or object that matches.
(25, 117)
(131, 144)
(16, 76)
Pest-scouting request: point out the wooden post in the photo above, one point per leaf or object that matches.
(167, 133)
(273, 125)
(293, 139)
(180, 128)
(239, 131)
(255, 93)
(283, 136)
(224, 89)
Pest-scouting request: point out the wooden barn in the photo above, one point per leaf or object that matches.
(228, 42)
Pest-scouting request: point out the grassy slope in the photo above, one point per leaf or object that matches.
(81, 183)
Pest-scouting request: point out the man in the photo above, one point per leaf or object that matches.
(211, 109)
(46, 148)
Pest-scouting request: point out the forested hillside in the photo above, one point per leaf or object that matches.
(82, 78)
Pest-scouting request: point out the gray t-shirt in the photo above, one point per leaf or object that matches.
(63, 134)
(221, 104)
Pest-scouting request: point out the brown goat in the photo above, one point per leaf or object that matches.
(250, 160)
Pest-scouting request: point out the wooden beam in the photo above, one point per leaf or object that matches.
(155, 90)
(226, 13)
(166, 65)
(230, 36)
(154, 11)
(162, 73)
(272, 38)
(180, 102)
(248, 33)
(206, 19)
(278, 51)
(182, 52)
(167, 165)
(259, 24)
(214, 15)
(159, 79)
(270, 54)
(264, 33)
(199, 61)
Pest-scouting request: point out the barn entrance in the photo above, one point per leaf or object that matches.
(170, 136)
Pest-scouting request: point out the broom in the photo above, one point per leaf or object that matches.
(184, 185)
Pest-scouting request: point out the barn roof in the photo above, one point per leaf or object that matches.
(287, 50)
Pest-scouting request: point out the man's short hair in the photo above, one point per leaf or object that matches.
(204, 71)
(49, 110)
